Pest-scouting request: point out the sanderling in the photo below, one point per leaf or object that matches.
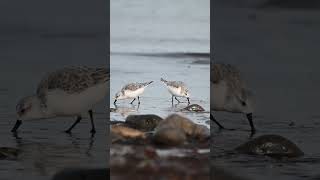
(132, 90)
(177, 89)
(229, 93)
(66, 92)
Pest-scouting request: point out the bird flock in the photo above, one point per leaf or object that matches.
(134, 90)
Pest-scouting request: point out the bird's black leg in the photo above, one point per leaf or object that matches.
(133, 100)
(214, 120)
(115, 101)
(172, 99)
(177, 99)
(93, 129)
(219, 125)
(74, 124)
(188, 100)
(138, 100)
(16, 126)
(249, 117)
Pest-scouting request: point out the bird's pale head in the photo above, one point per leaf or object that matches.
(119, 95)
(28, 108)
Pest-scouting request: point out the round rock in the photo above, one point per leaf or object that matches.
(126, 132)
(169, 136)
(271, 145)
(193, 108)
(190, 128)
(147, 122)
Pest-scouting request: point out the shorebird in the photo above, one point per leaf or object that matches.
(177, 89)
(66, 92)
(132, 90)
(229, 93)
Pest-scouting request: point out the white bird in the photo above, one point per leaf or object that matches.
(177, 89)
(66, 92)
(132, 90)
(229, 93)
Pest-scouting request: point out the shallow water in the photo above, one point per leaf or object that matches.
(46, 149)
(279, 59)
(156, 98)
(154, 39)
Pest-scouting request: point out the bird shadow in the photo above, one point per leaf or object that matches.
(75, 142)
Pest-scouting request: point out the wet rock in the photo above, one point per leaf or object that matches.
(193, 108)
(126, 132)
(9, 153)
(146, 122)
(201, 132)
(170, 131)
(271, 145)
(169, 136)
(83, 174)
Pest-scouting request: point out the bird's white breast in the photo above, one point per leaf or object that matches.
(218, 96)
(61, 103)
(175, 91)
(134, 94)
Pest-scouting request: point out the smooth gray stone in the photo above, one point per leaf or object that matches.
(270, 145)
(194, 108)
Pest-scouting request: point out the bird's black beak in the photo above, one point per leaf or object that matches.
(249, 116)
(16, 126)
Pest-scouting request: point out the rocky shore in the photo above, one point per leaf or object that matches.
(149, 147)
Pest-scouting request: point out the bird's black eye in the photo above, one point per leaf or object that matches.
(243, 103)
